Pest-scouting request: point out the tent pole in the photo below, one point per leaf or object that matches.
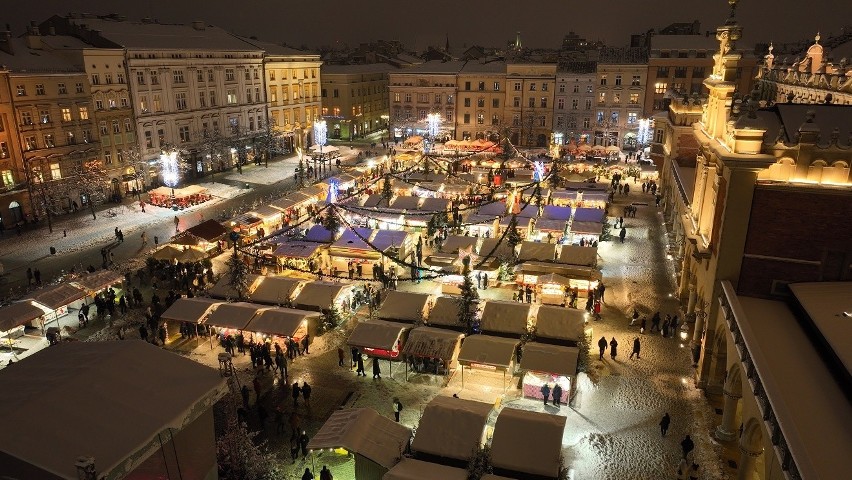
(462, 368)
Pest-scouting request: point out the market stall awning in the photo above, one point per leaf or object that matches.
(577, 255)
(560, 323)
(445, 312)
(454, 243)
(586, 228)
(223, 290)
(577, 272)
(488, 350)
(546, 358)
(275, 290)
(320, 296)
(505, 317)
(297, 249)
(364, 432)
(377, 334)
(543, 252)
(18, 313)
(191, 310)
(283, 322)
(589, 215)
(233, 315)
(56, 296)
(267, 212)
(433, 204)
(554, 212)
(292, 200)
(409, 306)
(548, 225)
(451, 427)
(208, 230)
(406, 203)
(514, 453)
(432, 343)
(411, 469)
(96, 281)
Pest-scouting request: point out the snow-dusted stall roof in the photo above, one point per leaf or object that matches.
(432, 343)
(18, 313)
(493, 209)
(378, 334)
(586, 228)
(555, 212)
(319, 234)
(283, 322)
(556, 359)
(96, 281)
(149, 390)
(233, 315)
(192, 310)
(320, 295)
(454, 243)
(275, 290)
(480, 220)
(512, 448)
(294, 199)
(409, 306)
(505, 317)
(411, 469)
(406, 203)
(451, 427)
(385, 239)
(374, 200)
(537, 251)
(566, 195)
(352, 239)
(488, 244)
(56, 296)
(548, 225)
(560, 323)
(267, 212)
(208, 230)
(225, 291)
(434, 204)
(297, 249)
(595, 197)
(455, 188)
(364, 432)
(530, 211)
(577, 255)
(589, 215)
(488, 350)
(445, 312)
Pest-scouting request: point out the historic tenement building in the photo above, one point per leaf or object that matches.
(355, 99)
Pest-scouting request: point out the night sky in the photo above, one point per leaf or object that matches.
(491, 23)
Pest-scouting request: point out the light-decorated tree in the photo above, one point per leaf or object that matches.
(238, 456)
(513, 238)
(387, 189)
(238, 273)
(90, 178)
(467, 300)
(330, 221)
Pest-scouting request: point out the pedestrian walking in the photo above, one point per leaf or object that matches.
(306, 341)
(601, 290)
(177, 225)
(377, 371)
(142, 206)
(545, 392)
(664, 424)
(303, 443)
(37, 276)
(655, 322)
(636, 347)
(642, 324)
(296, 392)
(360, 362)
(294, 449)
(634, 317)
(623, 234)
(613, 348)
(307, 475)
(354, 355)
(484, 281)
(281, 364)
(397, 408)
(602, 346)
(340, 356)
(687, 445)
(325, 473)
(306, 393)
(557, 395)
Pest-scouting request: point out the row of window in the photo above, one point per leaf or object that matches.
(575, 103)
(108, 79)
(632, 99)
(481, 86)
(518, 86)
(572, 122)
(368, 90)
(61, 89)
(680, 72)
(516, 102)
(31, 142)
(308, 91)
(310, 113)
(178, 77)
(634, 82)
(44, 115)
(678, 87)
(632, 117)
(292, 73)
(424, 98)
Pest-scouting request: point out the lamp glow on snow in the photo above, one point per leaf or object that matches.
(332, 192)
(538, 171)
(433, 124)
(170, 168)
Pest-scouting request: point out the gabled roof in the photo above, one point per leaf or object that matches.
(364, 432)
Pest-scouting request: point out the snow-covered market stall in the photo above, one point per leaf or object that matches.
(275, 290)
(406, 306)
(450, 429)
(56, 301)
(432, 350)
(445, 313)
(225, 291)
(485, 356)
(319, 296)
(505, 319)
(190, 310)
(274, 324)
(513, 453)
(379, 338)
(548, 364)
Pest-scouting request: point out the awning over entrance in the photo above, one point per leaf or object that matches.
(192, 310)
(18, 313)
(364, 432)
(555, 359)
(57, 296)
(505, 317)
(377, 334)
(233, 315)
(432, 343)
(488, 350)
(284, 322)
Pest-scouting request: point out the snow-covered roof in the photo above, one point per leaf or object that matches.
(109, 400)
(319, 234)
(434, 204)
(569, 271)
(56, 296)
(192, 310)
(411, 469)
(373, 200)
(275, 290)
(522, 222)
(432, 343)
(409, 306)
(451, 427)
(209, 230)
(291, 200)
(505, 317)
(454, 243)
(223, 290)
(378, 334)
(512, 448)
(18, 313)
(266, 212)
(406, 203)
(555, 212)
(445, 312)
(385, 239)
(320, 295)
(589, 215)
(577, 255)
(547, 224)
(233, 315)
(488, 350)
(586, 228)
(537, 251)
(556, 359)
(352, 238)
(560, 323)
(99, 280)
(297, 249)
(283, 322)
(364, 432)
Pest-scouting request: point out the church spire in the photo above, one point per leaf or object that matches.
(517, 45)
(447, 45)
(723, 81)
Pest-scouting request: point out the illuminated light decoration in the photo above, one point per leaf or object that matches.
(427, 147)
(538, 171)
(557, 137)
(643, 136)
(170, 168)
(433, 124)
(320, 133)
(332, 192)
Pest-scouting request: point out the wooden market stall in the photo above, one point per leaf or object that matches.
(432, 350)
(275, 324)
(577, 255)
(319, 296)
(406, 306)
(14, 317)
(299, 254)
(560, 326)
(581, 277)
(505, 319)
(275, 290)
(487, 355)
(56, 301)
(450, 429)
(380, 339)
(551, 364)
(542, 252)
(93, 283)
(516, 456)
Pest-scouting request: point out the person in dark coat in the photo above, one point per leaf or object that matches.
(281, 364)
(377, 371)
(307, 475)
(143, 333)
(557, 395)
(664, 423)
(687, 445)
(355, 353)
(340, 356)
(545, 392)
(602, 346)
(636, 347)
(303, 442)
(306, 393)
(360, 361)
(613, 348)
(296, 392)
(325, 473)
(622, 234)
(306, 342)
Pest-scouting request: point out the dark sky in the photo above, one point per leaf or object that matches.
(486, 22)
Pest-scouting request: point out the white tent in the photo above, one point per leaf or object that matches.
(445, 312)
(560, 323)
(364, 432)
(275, 290)
(18, 313)
(513, 451)
(233, 315)
(505, 317)
(377, 334)
(577, 255)
(191, 310)
(411, 469)
(545, 358)
(284, 322)
(543, 252)
(321, 295)
(488, 350)
(408, 306)
(451, 427)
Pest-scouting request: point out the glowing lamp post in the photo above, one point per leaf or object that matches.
(320, 136)
(170, 168)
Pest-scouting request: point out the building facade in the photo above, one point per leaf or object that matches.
(620, 95)
(530, 94)
(481, 97)
(13, 190)
(573, 106)
(355, 99)
(420, 90)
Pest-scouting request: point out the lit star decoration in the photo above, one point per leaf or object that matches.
(169, 167)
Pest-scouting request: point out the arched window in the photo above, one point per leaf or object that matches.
(837, 173)
(815, 171)
(783, 170)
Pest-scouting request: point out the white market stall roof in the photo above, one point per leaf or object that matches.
(432, 343)
(17, 314)
(320, 295)
(192, 310)
(589, 215)
(266, 212)
(408, 306)
(434, 204)
(97, 281)
(275, 290)
(411, 469)
(297, 249)
(292, 200)
(319, 234)
(546, 358)
(406, 203)
(586, 228)
(353, 239)
(505, 317)
(283, 322)
(364, 432)
(233, 315)
(385, 239)
(577, 255)
(374, 200)
(224, 291)
(568, 195)
(56, 296)
(488, 350)
(512, 449)
(595, 197)
(503, 249)
(451, 427)
(454, 243)
(445, 312)
(378, 334)
(554, 212)
(543, 252)
(560, 323)
(150, 390)
(548, 225)
(480, 220)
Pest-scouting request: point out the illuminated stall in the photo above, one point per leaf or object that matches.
(298, 254)
(580, 277)
(270, 216)
(190, 310)
(380, 339)
(505, 319)
(272, 324)
(318, 296)
(485, 356)
(543, 252)
(205, 236)
(548, 364)
(406, 306)
(231, 318)
(56, 301)
(275, 290)
(560, 326)
(95, 282)
(14, 318)
(577, 255)
(432, 350)
(552, 289)
(450, 429)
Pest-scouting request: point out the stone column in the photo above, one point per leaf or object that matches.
(726, 431)
(683, 284)
(693, 299)
(745, 467)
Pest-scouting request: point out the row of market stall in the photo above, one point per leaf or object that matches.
(299, 293)
(178, 197)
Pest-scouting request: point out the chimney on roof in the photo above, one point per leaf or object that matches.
(198, 25)
(51, 30)
(6, 41)
(33, 37)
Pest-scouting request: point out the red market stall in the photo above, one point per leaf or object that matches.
(548, 364)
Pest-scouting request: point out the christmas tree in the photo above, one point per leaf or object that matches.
(238, 273)
(468, 299)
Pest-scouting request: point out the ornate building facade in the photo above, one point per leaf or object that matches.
(355, 99)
